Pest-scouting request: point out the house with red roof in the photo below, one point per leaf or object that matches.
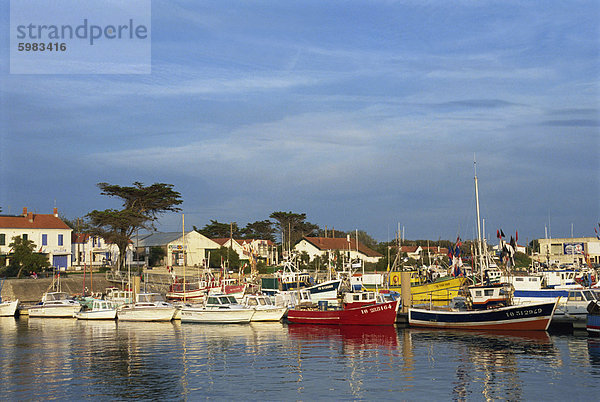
(320, 246)
(48, 232)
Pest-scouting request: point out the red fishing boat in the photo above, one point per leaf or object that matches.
(370, 314)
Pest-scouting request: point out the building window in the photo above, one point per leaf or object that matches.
(60, 240)
(44, 240)
(2, 239)
(24, 236)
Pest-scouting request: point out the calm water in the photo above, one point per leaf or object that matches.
(68, 359)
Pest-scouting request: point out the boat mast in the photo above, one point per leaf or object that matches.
(183, 251)
(478, 223)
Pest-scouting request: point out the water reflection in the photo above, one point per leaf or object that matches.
(106, 360)
(489, 361)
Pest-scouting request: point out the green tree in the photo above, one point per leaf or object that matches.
(262, 230)
(141, 208)
(216, 230)
(293, 227)
(157, 253)
(223, 255)
(23, 257)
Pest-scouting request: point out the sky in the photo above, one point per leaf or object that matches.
(364, 115)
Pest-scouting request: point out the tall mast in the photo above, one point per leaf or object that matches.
(478, 223)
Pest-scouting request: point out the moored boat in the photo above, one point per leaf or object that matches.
(486, 307)
(264, 309)
(55, 305)
(101, 310)
(9, 308)
(370, 314)
(148, 307)
(219, 309)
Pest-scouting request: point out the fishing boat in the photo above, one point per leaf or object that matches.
(264, 309)
(148, 307)
(369, 314)
(9, 308)
(219, 309)
(55, 305)
(486, 307)
(100, 310)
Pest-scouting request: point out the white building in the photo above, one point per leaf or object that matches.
(93, 251)
(569, 250)
(48, 232)
(196, 247)
(264, 250)
(319, 246)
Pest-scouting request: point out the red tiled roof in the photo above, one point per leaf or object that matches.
(409, 249)
(340, 243)
(79, 237)
(222, 240)
(32, 221)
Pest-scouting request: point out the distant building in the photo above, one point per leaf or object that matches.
(48, 232)
(92, 251)
(569, 250)
(195, 244)
(264, 250)
(319, 246)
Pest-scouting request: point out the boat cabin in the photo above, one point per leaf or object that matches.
(295, 298)
(221, 301)
(54, 296)
(257, 300)
(360, 299)
(496, 295)
(119, 296)
(149, 298)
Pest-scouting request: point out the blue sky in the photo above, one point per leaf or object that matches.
(361, 114)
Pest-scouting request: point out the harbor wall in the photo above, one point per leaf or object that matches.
(30, 290)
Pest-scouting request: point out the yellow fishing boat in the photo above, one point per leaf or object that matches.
(442, 289)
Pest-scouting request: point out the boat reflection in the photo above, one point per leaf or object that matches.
(593, 345)
(357, 336)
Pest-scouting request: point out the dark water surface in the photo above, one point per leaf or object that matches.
(67, 359)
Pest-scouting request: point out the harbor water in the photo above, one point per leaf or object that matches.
(66, 359)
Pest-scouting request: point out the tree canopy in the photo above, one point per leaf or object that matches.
(216, 229)
(293, 227)
(141, 207)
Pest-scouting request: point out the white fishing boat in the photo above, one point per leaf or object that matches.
(101, 310)
(219, 309)
(264, 309)
(8, 308)
(148, 307)
(55, 305)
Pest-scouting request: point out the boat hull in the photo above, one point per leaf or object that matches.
(146, 314)
(9, 308)
(216, 316)
(64, 311)
(269, 314)
(593, 325)
(529, 317)
(97, 315)
(378, 314)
